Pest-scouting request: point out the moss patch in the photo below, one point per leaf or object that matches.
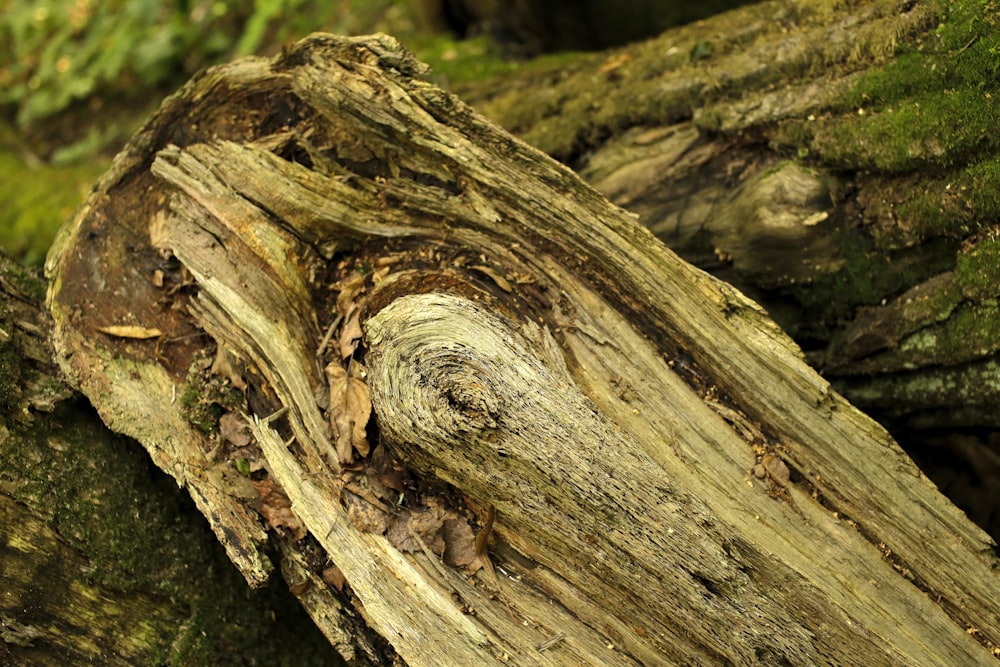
(968, 334)
(10, 370)
(869, 276)
(145, 536)
(941, 128)
(956, 206)
(978, 269)
(207, 396)
(934, 105)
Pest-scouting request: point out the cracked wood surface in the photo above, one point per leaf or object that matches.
(789, 161)
(672, 482)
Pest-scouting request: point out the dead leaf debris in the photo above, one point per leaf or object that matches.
(276, 508)
(350, 409)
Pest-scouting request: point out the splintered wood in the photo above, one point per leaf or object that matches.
(493, 418)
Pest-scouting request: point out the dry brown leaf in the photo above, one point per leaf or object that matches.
(350, 410)
(614, 62)
(427, 524)
(350, 288)
(277, 508)
(350, 332)
(130, 331)
(459, 542)
(777, 469)
(365, 516)
(332, 576)
(388, 473)
(399, 534)
(378, 275)
(493, 275)
(301, 588)
(481, 559)
(234, 429)
(223, 365)
(159, 233)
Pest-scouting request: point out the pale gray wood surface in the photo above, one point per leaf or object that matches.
(673, 484)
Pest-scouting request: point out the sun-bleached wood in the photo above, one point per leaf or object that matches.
(673, 484)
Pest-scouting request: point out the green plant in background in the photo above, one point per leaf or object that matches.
(77, 77)
(36, 201)
(61, 52)
(58, 53)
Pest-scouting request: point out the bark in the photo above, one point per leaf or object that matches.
(832, 160)
(655, 474)
(102, 561)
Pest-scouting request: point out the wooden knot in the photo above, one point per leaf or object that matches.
(441, 365)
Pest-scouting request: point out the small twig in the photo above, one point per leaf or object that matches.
(333, 524)
(274, 415)
(430, 555)
(483, 556)
(329, 334)
(549, 643)
(968, 44)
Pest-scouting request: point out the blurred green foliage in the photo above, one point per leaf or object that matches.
(60, 52)
(78, 76)
(36, 201)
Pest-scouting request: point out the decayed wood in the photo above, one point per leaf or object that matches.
(740, 142)
(91, 566)
(672, 483)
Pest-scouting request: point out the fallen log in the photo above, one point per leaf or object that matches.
(489, 417)
(834, 162)
(97, 549)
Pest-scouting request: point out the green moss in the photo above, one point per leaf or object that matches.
(702, 50)
(969, 333)
(23, 356)
(793, 134)
(942, 129)
(27, 283)
(106, 498)
(934, 105)
(979, 185)
(207, 396)
(869, 276)
(961, 203)
(10, 373)
(36, 202)
(977, 270)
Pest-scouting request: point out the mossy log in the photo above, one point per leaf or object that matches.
(489, 417)
(835, 161)
(102, 561)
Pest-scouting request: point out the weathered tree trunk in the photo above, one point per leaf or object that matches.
(835, 161)
(433, 331)
(101, 560)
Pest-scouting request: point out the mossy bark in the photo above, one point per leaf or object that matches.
(836, 161)
(103, 559)
(664, 479)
